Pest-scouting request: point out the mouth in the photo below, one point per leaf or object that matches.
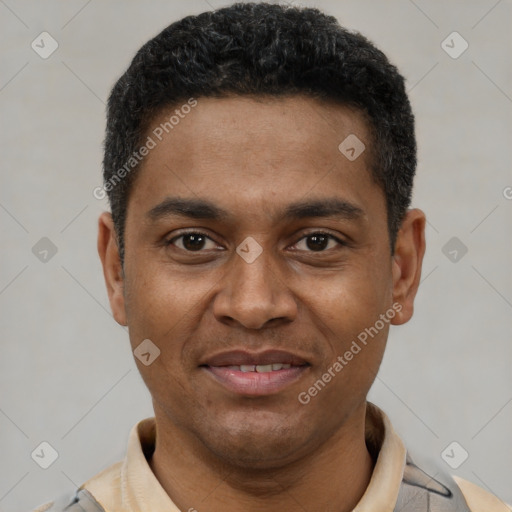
(260, 368)
(255, 374)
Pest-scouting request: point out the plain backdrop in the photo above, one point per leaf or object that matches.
(67, 375)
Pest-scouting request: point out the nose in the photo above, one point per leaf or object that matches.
(254, 295)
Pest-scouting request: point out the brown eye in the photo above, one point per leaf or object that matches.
(318, 242)
(193, 242)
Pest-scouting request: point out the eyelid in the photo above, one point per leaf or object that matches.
(341, 242)
(189, 231)
(323, 232)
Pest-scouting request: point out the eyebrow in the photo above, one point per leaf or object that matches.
(205, 210)
(193, 208)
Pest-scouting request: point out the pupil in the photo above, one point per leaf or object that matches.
(193, 242)
(317, 242)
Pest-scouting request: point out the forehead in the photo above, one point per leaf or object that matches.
(255, 150)
(299, 124)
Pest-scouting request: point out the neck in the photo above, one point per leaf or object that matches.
(332, 478)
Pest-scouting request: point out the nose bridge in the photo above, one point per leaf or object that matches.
(254, 278)
(253, 291)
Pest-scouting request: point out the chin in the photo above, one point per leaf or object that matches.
(256, 440)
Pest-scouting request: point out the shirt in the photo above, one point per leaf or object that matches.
(131, 486)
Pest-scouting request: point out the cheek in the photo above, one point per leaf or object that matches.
(347, 308)
(357, 334)
(163, 310)
(166, 307)
(158, 299)
(354, 297)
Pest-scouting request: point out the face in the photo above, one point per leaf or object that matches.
(256, 253)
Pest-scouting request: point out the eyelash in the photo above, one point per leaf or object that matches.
(192, 232)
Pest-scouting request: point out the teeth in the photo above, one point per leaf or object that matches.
(281, 366)
(264, 368)
(260, 368)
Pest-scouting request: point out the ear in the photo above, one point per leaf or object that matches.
(406, 264)
(112, 268)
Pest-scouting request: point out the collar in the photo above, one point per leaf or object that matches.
(131, 486)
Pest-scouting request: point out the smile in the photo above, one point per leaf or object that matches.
(260, 368)
(255, 374)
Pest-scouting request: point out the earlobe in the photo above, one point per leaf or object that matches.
(112, 269)
(407, 263)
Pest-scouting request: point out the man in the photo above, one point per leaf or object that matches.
(259, 162)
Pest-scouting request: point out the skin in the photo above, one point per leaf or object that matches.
(221, 451)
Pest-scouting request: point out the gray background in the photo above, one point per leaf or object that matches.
(66, 372)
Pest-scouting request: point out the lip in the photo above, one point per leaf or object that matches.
(255, 383)
(240, 357)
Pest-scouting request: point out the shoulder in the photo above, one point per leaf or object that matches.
(420, 491)
(480, 500)
(83, 499)
(79, 501)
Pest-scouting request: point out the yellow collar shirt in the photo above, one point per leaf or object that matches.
(131, 486)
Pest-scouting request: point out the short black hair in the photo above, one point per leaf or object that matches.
(261, 49)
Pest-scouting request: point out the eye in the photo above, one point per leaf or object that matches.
(193, 241)
(318, 242)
